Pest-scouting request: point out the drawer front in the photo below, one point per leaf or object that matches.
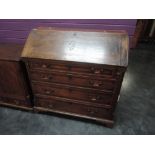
(71, 107)
(73, 93)
(99, 70)
(71, 79)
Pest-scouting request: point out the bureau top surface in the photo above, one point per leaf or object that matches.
(88, 46)
(10, 51)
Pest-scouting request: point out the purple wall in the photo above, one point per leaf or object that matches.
(13, 30)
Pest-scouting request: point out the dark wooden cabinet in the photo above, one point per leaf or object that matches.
(13, 85)
(76, 72)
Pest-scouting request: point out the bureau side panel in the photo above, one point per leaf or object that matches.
(12, 83)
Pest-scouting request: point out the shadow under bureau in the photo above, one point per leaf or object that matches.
(76, 72)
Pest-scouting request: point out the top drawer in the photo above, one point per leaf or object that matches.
(80, 68)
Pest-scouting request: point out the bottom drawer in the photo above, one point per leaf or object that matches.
(73, 108)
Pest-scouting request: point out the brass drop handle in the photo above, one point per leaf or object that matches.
(91, 111)
(95, 98)
(118, 73)
(96, 71)
(48, 92)
(70, 76)
(47, 77)
(51, 106)
(44, 66)
(95, 83)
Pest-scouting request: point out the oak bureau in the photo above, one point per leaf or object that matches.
(76, 72)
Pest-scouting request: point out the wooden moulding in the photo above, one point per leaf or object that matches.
(16, 106)
(106, 122)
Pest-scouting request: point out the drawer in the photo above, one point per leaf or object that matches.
(82, 68)
(75, 80)
(76, 93)
(73, 108)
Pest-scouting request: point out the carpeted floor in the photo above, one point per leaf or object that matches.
(135, 113)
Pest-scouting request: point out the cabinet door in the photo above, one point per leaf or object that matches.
(11, 80)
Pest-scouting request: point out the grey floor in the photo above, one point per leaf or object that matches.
(135, 112)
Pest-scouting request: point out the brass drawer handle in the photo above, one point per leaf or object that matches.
(70, 76)
(118, 73)
(95, 83)
(95, 98)
(44, 66)
(48, 92)
(96, 71)
(92, 111)
(47, 77)
(51, 106)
